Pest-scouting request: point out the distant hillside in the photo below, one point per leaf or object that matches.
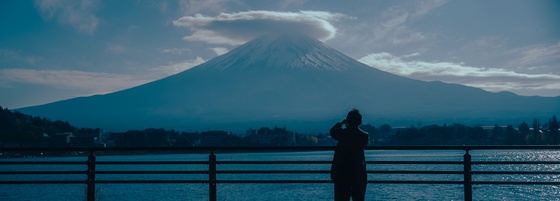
(23, 129)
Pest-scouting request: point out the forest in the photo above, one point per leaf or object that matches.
(21, 130)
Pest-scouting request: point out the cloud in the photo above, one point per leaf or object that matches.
(537, 55)
(82, 83)
(237, 28)
(174, 68)
(392, 26)
(401, 13)
(491, 79)
(219, 50)
(89, 82)
(177, 51)
(78, 14)
(424, 7)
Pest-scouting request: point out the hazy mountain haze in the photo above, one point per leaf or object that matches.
(294, 81)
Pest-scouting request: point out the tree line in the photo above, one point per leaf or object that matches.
(457, 134)
(26, 130)
(160, 137)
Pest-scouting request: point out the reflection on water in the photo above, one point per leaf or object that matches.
(291, 191)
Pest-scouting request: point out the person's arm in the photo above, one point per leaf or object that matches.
(336, 130)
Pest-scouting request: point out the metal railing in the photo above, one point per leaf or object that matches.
(212, 163)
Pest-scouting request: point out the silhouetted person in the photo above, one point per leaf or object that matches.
(348, 169)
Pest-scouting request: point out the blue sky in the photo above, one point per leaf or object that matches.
(58, 49)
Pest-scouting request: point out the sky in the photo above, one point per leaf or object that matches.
(52, 50)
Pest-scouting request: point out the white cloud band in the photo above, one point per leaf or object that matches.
(237, 28)
(89, 82)
(491, 79)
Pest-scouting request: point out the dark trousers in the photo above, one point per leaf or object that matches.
(343, 190)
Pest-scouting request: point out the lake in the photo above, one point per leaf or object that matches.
(291, 191)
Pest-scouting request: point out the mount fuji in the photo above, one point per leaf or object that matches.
(294, 81)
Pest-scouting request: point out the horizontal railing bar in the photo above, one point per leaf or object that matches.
(417, 162)
(151, 162)
(189, 149)
(43, 162)
(151, 181)
(517, 182)
(513, 162)
(262, 162)
(104, 163)
(278, 181)
(265, 162)
(413, 172)
(330, 162)
(217, 181)
(330, 181)
(107, 182)
(43, 172)
(246, 172)
(273, 171)
(273, 181)
(275, 148)
(315, 181)
(413, 182)
(46, 182)
(270, 162)
(328, 171)
(515, 172)
(155, 172)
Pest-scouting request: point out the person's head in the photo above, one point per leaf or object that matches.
(354, 118)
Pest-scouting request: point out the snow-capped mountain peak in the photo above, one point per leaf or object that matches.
(283, 51)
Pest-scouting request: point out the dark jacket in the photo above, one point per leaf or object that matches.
(349, 160)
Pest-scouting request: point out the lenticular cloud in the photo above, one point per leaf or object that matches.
(238, 28)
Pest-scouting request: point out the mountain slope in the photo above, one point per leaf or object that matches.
(294, 81)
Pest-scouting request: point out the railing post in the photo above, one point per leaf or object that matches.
(467, 175)
(91, 176)
(212, 175)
